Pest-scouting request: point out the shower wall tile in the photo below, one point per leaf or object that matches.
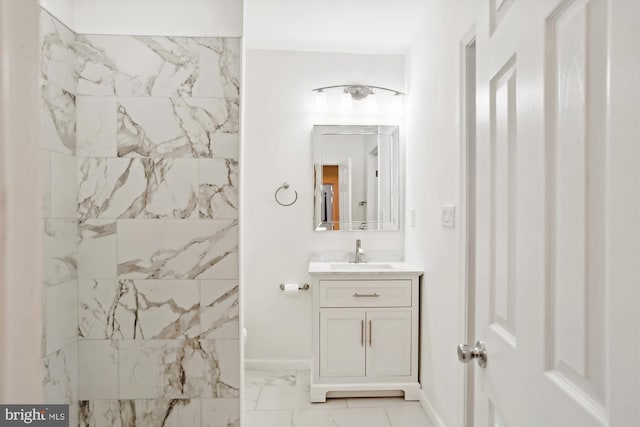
(97, 249)
(98, 304)
(60, 376)
(63, 186)
(178, 249)
(96, 126)
(219, 309)
(171, 369)
(225, 381)
(140, 413)
(137, 188)
(177, 127)
(58, 60)
(219, 69)
(61, 305)
(220, 413)
(135, 65)
(218, 192)
(139, 309)
(158, 66)
(97, 369)
(157, 141)
(58, 121)
(60, 243)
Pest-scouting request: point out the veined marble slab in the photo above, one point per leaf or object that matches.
(137, 188)
(362, 268)
(58, 119)
(158, 66)
(60, 246)
(140, 413)
(139, 309)
(218, 197)
(178, 249)
(97, 249)
(60, 375)
(152, 369)
(59, 63)
(177, 127)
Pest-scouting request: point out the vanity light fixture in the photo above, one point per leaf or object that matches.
(358, 92)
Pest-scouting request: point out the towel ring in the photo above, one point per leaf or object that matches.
(285, 186)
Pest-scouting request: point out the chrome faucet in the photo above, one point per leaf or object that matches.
(360, 256)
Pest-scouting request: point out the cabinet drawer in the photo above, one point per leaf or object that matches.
(365, 293)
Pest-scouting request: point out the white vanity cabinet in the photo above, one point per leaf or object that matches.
(365, 331)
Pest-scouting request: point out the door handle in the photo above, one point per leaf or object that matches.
(466, 353)
(370, 329)
(374, 295)
(362, 333)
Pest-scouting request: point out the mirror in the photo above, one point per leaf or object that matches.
(356, 178)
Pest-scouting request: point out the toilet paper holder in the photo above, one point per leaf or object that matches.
(303, 287)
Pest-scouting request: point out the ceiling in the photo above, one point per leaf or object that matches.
(350, 26)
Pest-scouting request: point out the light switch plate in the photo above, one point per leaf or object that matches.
(449, 216)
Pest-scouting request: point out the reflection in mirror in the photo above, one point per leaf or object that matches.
(356, 177)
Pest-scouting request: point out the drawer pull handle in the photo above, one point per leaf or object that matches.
(374, 295)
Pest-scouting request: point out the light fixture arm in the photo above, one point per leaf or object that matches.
(358, 91)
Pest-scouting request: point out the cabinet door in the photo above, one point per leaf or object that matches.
(342, 343)
(388, 343)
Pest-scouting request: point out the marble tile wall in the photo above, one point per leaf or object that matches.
(59, 212)
(157, 205)
(140, 206)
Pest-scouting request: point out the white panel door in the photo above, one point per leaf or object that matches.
(547, 288)
(342, 343)
(388, 343)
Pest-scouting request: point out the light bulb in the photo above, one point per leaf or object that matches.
(321, 102)
(346, 103)
(396, 104)
(371, 104)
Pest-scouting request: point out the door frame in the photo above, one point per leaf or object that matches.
(467, 284)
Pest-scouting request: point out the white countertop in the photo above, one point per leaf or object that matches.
(324, 267)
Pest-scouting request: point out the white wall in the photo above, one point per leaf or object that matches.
(20, 210)
(277, 241)
(198, 18)
(433, 180)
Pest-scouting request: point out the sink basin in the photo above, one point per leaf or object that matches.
(360, 266)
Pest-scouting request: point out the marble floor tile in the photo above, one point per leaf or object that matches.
(408, 416)
(257, 377)
(251, 396)
(303, 377)
(266, 419)
(379, 402)
(341, 417)
(292, 397)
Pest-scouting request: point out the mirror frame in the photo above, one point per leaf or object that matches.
(393, 224)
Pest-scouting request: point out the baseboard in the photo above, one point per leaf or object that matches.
(277, 364)
(431, 412)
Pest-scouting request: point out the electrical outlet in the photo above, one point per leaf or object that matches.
(449, 216)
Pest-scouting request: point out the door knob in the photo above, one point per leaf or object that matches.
(466, 353)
